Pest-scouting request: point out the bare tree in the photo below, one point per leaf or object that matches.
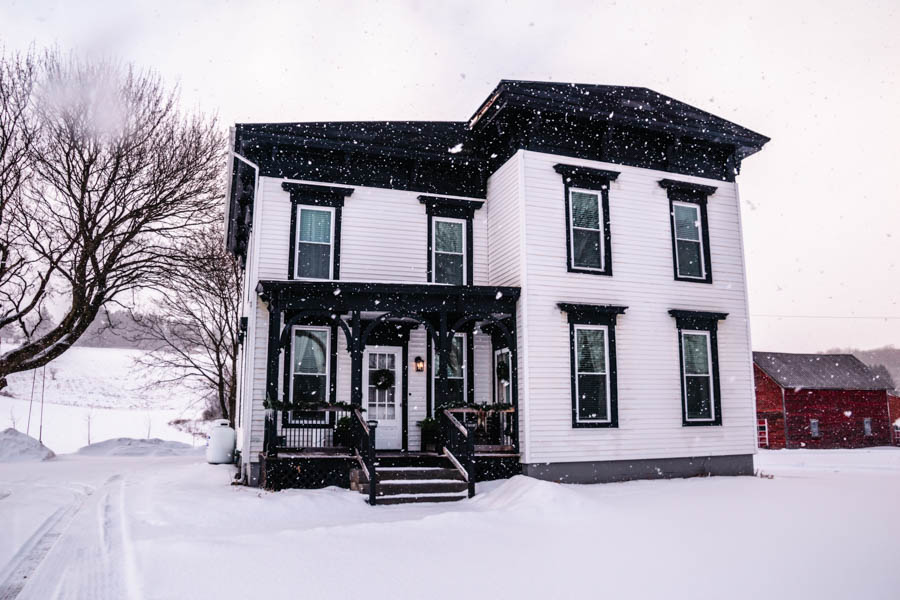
(118, 179)
(194, 332)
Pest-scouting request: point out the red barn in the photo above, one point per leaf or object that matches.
(819, 401)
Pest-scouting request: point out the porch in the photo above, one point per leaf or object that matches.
(426, 371)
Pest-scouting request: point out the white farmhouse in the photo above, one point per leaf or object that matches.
(554, 287)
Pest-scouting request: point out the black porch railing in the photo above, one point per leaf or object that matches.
(458, 444)
(495, 429)
(308, 430)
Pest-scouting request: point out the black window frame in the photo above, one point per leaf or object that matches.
(690, 193)
(597, 315)
(589, 180)
(451, 208)
(316, 196)
(689, 320)
(291, 417)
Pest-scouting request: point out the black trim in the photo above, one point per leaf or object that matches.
(597, 180)
(318, 195)
(451, 208)
(700, 321)
(681, 191)
(589, 314)
(470, 365)
(332, 368)
(404, 423)
(335, 243)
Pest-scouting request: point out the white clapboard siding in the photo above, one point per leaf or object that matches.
(649, 387)
(506, 254)
(384, 235)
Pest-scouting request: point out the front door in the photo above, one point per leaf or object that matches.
(382, 382)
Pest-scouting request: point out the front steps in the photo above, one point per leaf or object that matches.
(412, 478)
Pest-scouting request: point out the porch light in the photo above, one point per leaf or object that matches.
(420, 364)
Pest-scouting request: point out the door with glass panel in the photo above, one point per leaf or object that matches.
(382, 382)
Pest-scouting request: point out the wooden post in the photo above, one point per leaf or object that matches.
(470, 456)
(514, 376)
(373, 476)
(356, 360)
(441, 401)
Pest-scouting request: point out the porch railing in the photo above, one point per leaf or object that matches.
(324, 429)
(363, 442)
(495, 430)
(458, 444)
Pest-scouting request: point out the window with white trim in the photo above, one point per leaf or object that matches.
(310, 362)
(449, 250)
(456, 371)
(697, 385)
(502, 376)
(814, 428)
(592, 389)
(688, 233)
(586, 223)
(867, 427)
(314, 245)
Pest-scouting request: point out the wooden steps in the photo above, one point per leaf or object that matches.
(412, 478)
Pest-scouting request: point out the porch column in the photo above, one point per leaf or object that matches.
(356, 359)
(273, 355)
(442, 383)
(514, 375)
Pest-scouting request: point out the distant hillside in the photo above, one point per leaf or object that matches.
(887, 356)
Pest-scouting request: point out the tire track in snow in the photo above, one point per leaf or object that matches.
(92, 559)
(15, 575)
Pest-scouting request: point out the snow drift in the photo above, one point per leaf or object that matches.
(135, 447)
(16, 446)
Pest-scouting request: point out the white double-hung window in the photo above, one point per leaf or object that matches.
(592, 389)
(314, 245)
(586, 235)
(449, 250)
(698, 379)
(688, 240)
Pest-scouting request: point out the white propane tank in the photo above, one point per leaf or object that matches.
(220, 443)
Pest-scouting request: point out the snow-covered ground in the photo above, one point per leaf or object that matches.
(98, 391)
(825, 525)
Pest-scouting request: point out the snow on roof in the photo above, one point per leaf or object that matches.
(818, 371)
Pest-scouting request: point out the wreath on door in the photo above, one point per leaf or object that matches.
(382, 379)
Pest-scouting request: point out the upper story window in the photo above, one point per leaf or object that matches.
(698, 354)
(588, 234)
(690, 230)
(449, 248)
(450, 233)
(592, 354)
(315, 245)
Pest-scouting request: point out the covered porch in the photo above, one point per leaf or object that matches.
(361, 370)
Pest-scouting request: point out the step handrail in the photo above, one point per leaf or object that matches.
(458, 445)
(364, 446)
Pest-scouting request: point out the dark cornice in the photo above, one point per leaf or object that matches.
(321, 195)
(591, 313)
(432, 201)
(685, 188)
(697, 318)
(585, 176)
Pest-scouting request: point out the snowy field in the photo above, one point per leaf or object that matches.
(825, 525)
(98, 391)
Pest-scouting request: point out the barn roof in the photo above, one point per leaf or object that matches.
(818, 371)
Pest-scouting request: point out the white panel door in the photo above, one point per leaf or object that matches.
(383, 402)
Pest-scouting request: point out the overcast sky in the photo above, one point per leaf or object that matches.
(820, 202)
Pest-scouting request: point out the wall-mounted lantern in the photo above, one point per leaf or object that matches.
(420, 364)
